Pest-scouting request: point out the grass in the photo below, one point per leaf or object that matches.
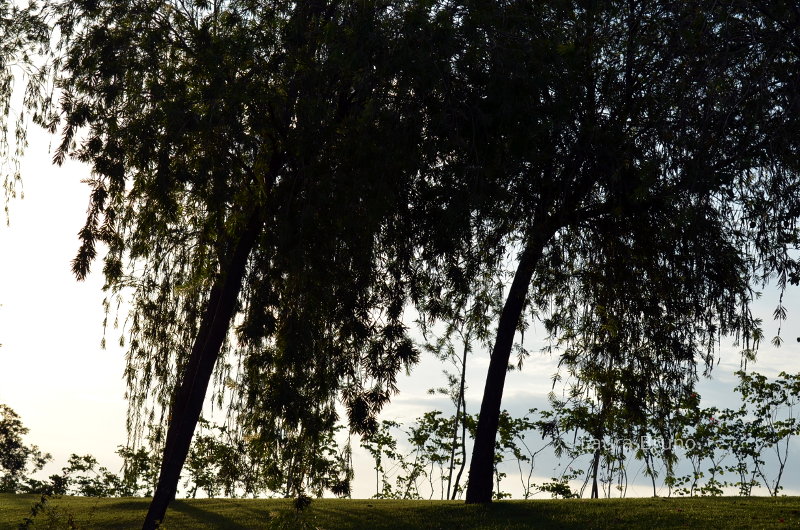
(237, 514)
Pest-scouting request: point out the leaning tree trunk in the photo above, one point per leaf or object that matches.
(191, 394)
(479, 487)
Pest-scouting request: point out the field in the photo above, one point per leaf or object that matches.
(725, 512)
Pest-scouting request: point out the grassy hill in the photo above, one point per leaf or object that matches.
(725, 512)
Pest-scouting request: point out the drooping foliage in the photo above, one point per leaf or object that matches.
(636, 161)
(290, 122)
(675, 282)
(24, 82)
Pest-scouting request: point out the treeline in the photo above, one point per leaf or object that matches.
(703, 451)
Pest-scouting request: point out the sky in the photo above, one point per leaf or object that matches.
(70, 392)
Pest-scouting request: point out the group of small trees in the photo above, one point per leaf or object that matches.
(82, 475)
(701, 450)
(218, 465)
(750, 444)
(709, 451)
(416, 461)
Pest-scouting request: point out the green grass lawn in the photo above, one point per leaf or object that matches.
(725, 512)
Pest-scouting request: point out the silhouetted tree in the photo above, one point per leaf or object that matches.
(251, 165)
(17, 460)
(635, 160)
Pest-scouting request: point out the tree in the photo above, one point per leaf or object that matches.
(382, 447)
(139, 473)
(444, 350)
(773, 423)
(634, 159)
(17, 460)
(250, 165)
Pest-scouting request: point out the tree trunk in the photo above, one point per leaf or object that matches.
(191, 394)
(458, 421)
(595, 469)
(463, 446)
(479, 487)
(599, 433)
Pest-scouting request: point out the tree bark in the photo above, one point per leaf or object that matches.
(191, 394)
(479, 487)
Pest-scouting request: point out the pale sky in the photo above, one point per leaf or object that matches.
(69, 391)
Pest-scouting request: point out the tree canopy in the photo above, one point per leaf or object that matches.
(637, 162)
(272, 182)
(251, 164)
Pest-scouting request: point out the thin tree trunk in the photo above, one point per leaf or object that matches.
(651, 467)
(451, 493)
(463, 445)
(595, 468)
(599, 434)
(193, 384)
(479, 487)
(453, 448)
